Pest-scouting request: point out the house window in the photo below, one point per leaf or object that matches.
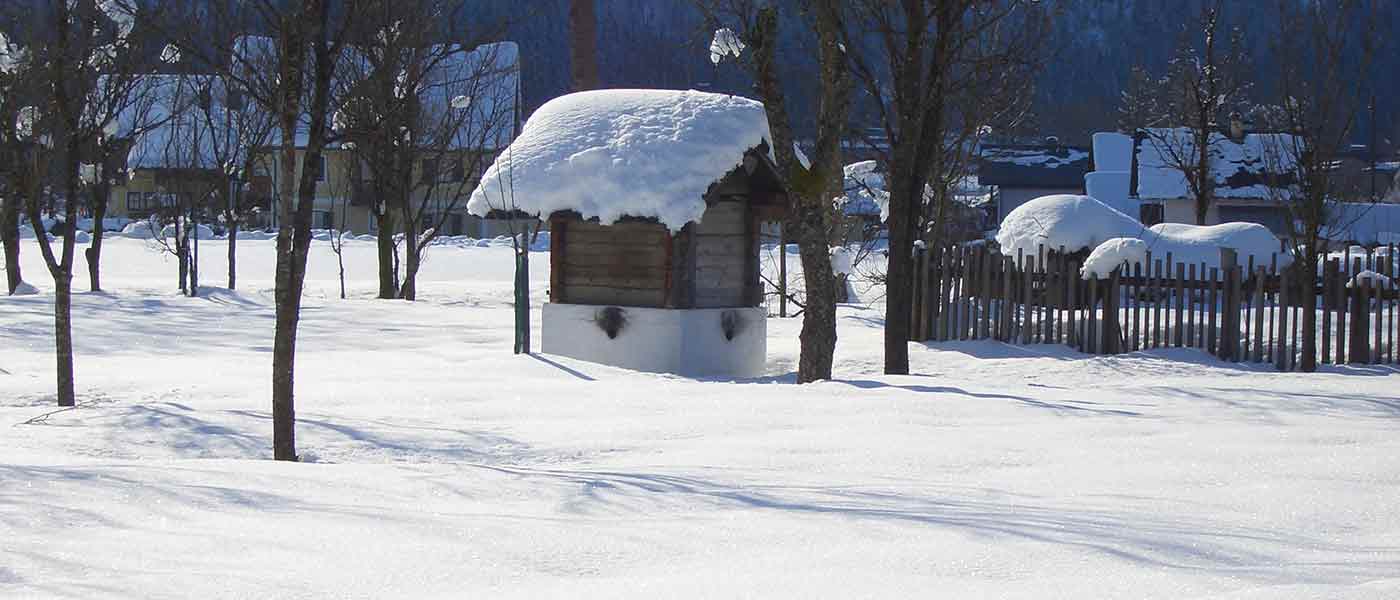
(454, 224)
(430, 170)
(323, 219)
(433, 171)
(1151, 214)
(321, 168)
(133, 202)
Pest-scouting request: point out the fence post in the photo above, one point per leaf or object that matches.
(920, 293)
(1072, 289)
(1110, 329)
(1230, 312)
(1360, 351)
(1026, 310)
(1329, 274)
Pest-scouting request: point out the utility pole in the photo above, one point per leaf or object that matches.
(1372, 150)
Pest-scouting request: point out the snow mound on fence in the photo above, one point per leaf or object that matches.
(1063, 220)
(615, 153)
(1189, 244)
(1113, 252)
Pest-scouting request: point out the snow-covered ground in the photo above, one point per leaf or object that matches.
(440, 465)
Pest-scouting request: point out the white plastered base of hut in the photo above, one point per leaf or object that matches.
(694, 342)
(655, 199)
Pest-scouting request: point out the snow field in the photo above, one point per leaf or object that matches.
(440, 465)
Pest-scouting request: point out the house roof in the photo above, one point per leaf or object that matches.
(1033, 165)
(171, 131)
(487, 75)
(865, 192)
(1254, 168)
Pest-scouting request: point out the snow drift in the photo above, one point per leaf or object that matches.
(615, 153)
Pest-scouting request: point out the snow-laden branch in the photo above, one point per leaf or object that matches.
(725, 43)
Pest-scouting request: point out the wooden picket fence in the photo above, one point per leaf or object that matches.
(1244, 313)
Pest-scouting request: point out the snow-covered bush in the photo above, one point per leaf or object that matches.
(203, 231)
(1112, 253)
(841, 260)
(1196, 244)
(1066, 221)
(1189, 244)
(138, 229)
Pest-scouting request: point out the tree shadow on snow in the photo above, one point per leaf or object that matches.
(1145, 538)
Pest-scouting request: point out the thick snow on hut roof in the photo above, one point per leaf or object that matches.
(608, 154)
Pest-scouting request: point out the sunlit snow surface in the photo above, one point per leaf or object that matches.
(441, 465)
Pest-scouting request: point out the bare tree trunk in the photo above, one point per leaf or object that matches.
(583, 44)
(9, 238)
(182, 251)
(194, 257)
(388, 277)
(409, 289)
(818, 336)
(232, 220)
(63, 336)
(340, 262)
(899, 277)
(809, 199)
(307, 31)
(93, 254)
(1306, 277)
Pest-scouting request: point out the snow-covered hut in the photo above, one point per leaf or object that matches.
(654, 199)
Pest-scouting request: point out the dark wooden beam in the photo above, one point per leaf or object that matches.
(558, 228)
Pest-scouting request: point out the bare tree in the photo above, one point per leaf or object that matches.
(233, 128)
(287, 72)
(424, 107)
(72, 110)
(1325, 53)
(340, 212)
(583, 44)
(14, 74)
(909, 58)
(1207, 79)
(753, 24)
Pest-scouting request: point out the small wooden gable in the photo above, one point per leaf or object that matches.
(713, 263)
